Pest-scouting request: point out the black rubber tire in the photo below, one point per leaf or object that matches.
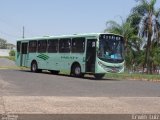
(76, 71)
(34, 67)
(99, 76)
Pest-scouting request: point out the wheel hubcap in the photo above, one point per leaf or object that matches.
(34, 67)
(77, 70)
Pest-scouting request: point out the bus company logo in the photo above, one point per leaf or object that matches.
(69, 57)
(43, 56)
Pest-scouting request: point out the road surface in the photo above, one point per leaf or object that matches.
(26, 83)
(22, 91)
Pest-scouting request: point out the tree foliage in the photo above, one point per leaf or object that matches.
(3, 44)
(141, 32)
(12, 53)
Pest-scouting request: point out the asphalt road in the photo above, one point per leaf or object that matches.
(6, 63)
(26, 83)
(25, 92)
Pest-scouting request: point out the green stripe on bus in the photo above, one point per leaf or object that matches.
(43, 56)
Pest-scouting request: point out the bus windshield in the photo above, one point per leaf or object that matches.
(111, 48)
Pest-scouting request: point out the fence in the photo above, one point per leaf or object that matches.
(4, 52)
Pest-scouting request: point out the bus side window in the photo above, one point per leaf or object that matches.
(78, 45)
(65, 45)
(52, 46)
(42, 46)
(18, 46)
(32, 46)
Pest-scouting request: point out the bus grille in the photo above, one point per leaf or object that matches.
(113, 69)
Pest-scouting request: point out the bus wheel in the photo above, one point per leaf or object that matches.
(99, 76)
(76, 70)
(34, 67)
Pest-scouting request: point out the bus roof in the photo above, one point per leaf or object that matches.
(66, 36)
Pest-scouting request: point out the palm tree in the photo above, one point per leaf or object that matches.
(145, 10)
(157, 27)
(155, 55)
(130, 39)
(123, 29)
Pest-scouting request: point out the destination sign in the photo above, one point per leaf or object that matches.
(110, 37)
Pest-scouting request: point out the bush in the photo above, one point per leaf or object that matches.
(12, 53)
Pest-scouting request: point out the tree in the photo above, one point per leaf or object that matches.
(123, 29)
(130, 39)
(3, 44)
(145, 10)
(12, 53)
(155, 57)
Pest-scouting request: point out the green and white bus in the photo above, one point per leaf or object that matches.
(78, 54)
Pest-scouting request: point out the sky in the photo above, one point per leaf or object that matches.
(59, 17)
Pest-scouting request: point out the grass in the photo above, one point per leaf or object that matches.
(127, 76)
(14, 68)
(9, 57)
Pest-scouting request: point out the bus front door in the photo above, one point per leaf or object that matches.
(91, 55)
(24, 54)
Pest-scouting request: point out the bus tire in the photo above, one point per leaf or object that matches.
(76, 70)
(99, 76)
(34, 67)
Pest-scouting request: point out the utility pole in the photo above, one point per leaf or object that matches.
(23, 32)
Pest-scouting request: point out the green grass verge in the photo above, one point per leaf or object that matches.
(124, 76)
(9, 57)
(13, 68)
